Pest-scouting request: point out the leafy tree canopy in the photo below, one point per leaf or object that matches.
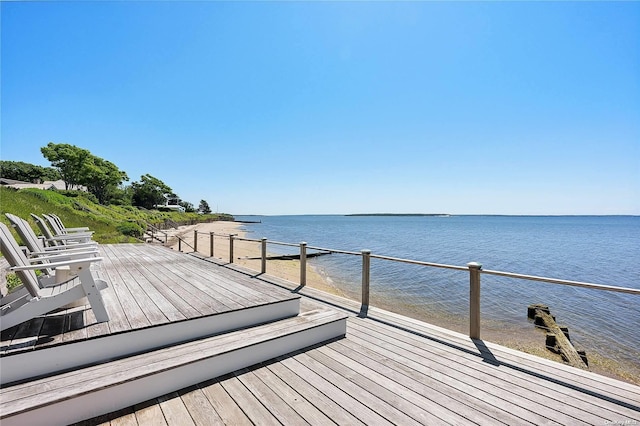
(102, 178)
(204, 207)
(69, 160)
(79, 167)
(26, 172)
(149, 191)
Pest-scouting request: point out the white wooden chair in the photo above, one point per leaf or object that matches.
(36, 244)
(64, 228)
(36, 248)
(60, 230)
(39, 301)
(54, 240)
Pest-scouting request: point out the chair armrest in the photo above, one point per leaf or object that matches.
(81, 229)
(45, 255)
(57, 264)
(61, 256)
(69, 237)
(74, 246)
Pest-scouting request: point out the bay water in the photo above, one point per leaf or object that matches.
(596, 249)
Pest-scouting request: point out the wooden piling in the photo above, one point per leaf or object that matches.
(557, 338)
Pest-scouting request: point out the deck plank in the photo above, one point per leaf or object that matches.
(145, 295)
(385, 388)
(266, 395)
(462, 366)
(150, 413)
(345, 398)
(255, 411)
(199, 407)
(225, 406)
(74, 325)
(174, 410)
(297, 402)
(128, 418)
(337, 413)
(475, 400)
(22, 336)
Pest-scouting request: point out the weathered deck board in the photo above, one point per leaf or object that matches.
(389, 369)
(147, 286)
(199, 407)
(225, 406)
(501, 381)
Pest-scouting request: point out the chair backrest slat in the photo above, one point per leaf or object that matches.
(45, 229)
(11, 251)
(26, 233)
(29, 238)
(54, 225)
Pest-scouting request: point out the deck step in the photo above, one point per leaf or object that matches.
(92, 391)
(26, 364)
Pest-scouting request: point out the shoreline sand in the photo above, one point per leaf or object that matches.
(243, 250)
(529, 341)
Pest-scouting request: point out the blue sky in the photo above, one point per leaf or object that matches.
(338, 107)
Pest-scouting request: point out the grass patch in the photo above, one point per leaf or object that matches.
(111, 224)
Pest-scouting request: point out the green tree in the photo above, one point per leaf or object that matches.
(149, 192)
(102, 178)
(26, 172)
(204, 207)
(69, 160)
(188, 207)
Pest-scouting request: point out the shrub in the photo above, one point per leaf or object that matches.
(13, 281)
(131, 229)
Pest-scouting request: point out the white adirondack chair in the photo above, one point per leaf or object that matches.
(84, 236)
(39, 301)
(64, 228)
(54, 240)
(36, 246)
(36, 249)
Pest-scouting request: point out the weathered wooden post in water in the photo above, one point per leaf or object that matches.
(557, 338)
(211, 240)
(303, 263)
(231, 247)
(474, 299)
(366, 277)
(263, 243)
(195, 240)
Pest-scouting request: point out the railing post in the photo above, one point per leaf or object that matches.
(263, 269)
(211, 237)
(366, 277)
(303, 263)
(231, 248)
(180, 244)
(195, 240)
(474, 299)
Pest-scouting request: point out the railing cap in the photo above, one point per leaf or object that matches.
(474, 265)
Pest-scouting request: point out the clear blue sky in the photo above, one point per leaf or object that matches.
(338, 107)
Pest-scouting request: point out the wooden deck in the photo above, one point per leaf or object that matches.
(388, 370)
(156, 297)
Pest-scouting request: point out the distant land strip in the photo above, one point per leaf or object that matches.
(400, 214)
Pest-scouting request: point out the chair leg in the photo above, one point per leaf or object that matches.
(93, 295)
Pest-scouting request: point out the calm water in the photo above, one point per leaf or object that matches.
(603, 250)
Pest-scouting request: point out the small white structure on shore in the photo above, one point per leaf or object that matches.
(170, 203)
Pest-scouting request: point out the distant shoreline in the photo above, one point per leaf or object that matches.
(401, 214)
